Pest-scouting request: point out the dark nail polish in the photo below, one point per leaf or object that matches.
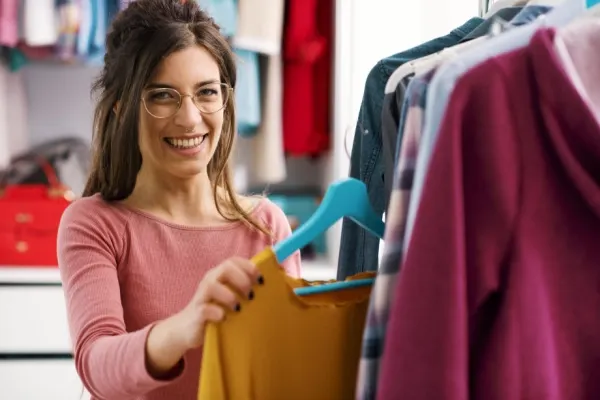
(261, 280)
(251, 295)
(238, 307)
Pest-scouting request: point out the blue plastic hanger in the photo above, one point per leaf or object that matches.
(345, 198)
(592, 8)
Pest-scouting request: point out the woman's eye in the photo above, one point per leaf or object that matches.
(162, 96)
(207, 92)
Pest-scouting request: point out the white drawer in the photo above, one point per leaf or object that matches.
(33, 319)
(34, 380)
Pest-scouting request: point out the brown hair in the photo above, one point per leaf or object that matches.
(141, 36)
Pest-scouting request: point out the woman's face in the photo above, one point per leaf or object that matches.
(183, 140)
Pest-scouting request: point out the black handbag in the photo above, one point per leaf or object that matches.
(68, 156)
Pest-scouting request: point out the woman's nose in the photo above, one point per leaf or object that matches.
(188, 115)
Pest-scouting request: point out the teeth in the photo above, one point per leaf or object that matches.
(185, 143)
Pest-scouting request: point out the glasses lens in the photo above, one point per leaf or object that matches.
(162, 103)
(212, 97)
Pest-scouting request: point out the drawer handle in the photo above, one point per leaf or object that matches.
(22, 218)
(22, 247)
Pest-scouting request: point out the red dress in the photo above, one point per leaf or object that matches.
(307, 71)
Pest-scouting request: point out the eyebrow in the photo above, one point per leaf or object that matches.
(160, 85)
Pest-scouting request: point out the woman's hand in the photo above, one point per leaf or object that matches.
(220, 289)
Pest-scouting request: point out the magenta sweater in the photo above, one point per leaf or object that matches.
(499, 296)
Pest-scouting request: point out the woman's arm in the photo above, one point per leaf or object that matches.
(111, 362)
(165, 349)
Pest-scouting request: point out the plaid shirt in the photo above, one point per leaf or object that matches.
(381, 297)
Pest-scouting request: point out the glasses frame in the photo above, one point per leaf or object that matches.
(228, 90)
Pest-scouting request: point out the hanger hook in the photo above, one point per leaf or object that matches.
(346, 149)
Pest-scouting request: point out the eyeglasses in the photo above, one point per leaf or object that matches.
(165, 102)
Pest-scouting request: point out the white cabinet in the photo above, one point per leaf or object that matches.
(40, 379)
(35, 349)
(33, 320)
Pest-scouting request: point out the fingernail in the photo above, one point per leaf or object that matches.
(238, 307)
(251, 295)
(261, 280)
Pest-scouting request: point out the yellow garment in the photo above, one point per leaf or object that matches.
(285, 347)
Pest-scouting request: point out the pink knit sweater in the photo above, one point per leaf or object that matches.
(123, 270)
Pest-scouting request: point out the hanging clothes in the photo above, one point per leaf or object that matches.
(409, 130)
(100, 14)
(83, 28)
(498, 295)
(9, 23)
(72, 15)
(390, 118)
(124, 3)
(572, 45)
(259, 30)
(268, 162)
(247, 92)
(308, 44)
(285, 347)
(40, 23)
(260, 26)
(503, 14)
(379, 306)
(444, 81)
(112, 9)
(224, 12)
(358, 249)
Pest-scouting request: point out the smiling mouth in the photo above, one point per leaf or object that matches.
(186, 143)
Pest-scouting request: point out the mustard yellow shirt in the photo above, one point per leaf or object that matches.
(284, 347)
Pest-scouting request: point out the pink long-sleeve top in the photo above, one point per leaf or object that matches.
(123, 270)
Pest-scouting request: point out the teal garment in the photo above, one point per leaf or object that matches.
(16, 59)
(92, 31)
(112, 9)
(224, 12)
(96, 50)
(247, 92)
(86, 26)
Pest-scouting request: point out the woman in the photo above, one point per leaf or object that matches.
(159, 244)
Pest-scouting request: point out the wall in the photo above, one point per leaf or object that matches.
(59, 100)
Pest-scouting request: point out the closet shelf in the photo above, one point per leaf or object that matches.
(314, 269)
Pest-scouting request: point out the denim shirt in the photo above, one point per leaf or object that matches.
(358, 248)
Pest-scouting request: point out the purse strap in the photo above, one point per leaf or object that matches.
(55, 188)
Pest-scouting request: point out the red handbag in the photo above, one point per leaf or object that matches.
(29, 218)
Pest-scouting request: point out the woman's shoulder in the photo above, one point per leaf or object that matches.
(93, 212)
(269, 213)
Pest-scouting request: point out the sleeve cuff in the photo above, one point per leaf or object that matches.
(141, 373)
